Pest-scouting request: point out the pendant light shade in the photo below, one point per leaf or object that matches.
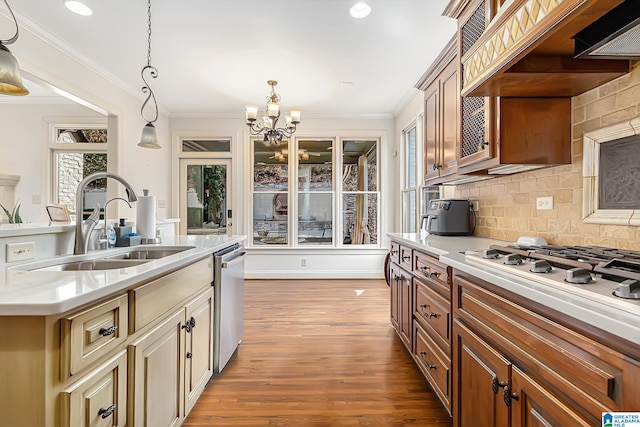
(149, 138)
(10, 80)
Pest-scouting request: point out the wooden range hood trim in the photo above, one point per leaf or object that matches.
(503, 60)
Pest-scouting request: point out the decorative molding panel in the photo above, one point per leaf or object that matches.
(591, 212)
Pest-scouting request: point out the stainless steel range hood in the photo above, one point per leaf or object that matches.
(616, 35)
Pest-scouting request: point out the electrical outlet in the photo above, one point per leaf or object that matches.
(475, 205)
(35, 199)
(544, 203)
(20, 251)
(303, 262)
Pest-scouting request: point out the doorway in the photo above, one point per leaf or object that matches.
(205, 186)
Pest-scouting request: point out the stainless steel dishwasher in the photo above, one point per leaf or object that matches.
(228, 284)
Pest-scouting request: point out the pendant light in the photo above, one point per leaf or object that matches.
(149, 138)
(10, 80)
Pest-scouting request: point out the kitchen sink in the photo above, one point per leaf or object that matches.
(149, 253)
(96, 264)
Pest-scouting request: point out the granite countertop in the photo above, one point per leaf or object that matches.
(621, 320)
(24, 292)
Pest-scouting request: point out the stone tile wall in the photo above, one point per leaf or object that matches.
(508, 204)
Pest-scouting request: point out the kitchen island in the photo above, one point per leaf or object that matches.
(129, 345)
(505, 350)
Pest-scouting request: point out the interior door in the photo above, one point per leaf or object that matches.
(205, 206)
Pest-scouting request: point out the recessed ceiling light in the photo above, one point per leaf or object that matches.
(360, 10)
(78, 7)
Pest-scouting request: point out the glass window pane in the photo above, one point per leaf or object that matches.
(208, 145)
(410, 158)
(73, 167)
(360, 219)
(314, 166)
(206, 199)
(270, 168)
(314, 219)
(359, 165)
(270, 215)
(75, 136)
(409, 209)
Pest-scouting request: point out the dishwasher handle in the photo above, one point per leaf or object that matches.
(235, 260)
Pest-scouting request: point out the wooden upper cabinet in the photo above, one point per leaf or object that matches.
(441, 116)
(527, 49)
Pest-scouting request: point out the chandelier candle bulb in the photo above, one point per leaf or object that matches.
(273, 110)
(252, 113)
(295, 116)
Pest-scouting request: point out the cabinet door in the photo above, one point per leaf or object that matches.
(395, 297)
(406, 311)
(157, 363)
(533, 406)
(199, 356)
(480, 376)
(449, 99)
(431, 132)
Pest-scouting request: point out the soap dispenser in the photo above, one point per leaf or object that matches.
(111, 236)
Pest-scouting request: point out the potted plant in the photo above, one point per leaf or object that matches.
(14, 215)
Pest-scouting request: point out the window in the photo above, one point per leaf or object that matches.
(76, 152)
(306, 214)
(410, 180)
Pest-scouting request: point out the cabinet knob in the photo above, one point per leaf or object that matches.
(105, 332)
(483, 144)
(437, 166)
(190, 324)
(508, 396)
(106, 413)
(189, 355)
(496, 384)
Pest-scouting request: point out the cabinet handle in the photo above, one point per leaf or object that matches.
(427, 272)
(394, 252)
(507, 396)
(425, 362)
(495, 384)
(106, 413)
(483, 144)
(406, 257)
(428, 315)
(189, 355)
(190, 324)
(437, 166)
(105, 332)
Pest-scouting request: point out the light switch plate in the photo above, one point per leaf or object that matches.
(20, 251)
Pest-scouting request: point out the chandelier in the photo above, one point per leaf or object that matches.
(272, 135)
(10, 80)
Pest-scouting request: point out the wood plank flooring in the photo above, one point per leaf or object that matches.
(319, 353)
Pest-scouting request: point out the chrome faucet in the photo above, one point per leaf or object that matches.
(84, 228)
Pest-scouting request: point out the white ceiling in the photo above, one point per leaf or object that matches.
(215, 56)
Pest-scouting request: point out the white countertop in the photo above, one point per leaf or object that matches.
(53, 292)
(29, 229)
(588, 308)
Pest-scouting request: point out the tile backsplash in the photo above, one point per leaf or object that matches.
(508, 204)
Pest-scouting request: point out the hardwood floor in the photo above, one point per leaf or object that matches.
(319, 353)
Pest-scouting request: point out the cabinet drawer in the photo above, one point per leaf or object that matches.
(434, 364)
(154, 299)
(426, 266)
(395, 252)
(88, 335)
(434, 313)
(563, 360)
(99, 398)
(406, 254)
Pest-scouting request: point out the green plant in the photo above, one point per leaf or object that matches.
(14, 215)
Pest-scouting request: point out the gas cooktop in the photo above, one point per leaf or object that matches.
(607, 274)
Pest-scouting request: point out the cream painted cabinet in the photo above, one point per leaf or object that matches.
(199, 346)
(157, 368)
(171, 364)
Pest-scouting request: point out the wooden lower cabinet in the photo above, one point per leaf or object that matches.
(401, 311)
(513, 366)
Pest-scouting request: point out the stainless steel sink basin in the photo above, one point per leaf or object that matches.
(95, 264)
(149, 253)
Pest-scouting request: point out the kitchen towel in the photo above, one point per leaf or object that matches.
(146, 217)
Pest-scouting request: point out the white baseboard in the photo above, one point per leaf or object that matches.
(313, 274)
